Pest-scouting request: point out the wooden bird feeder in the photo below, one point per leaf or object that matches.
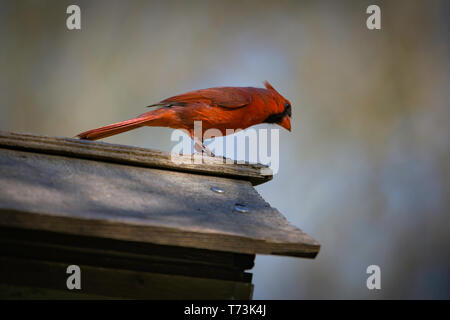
(137, 224)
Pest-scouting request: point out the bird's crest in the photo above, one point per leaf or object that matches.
(269, 86)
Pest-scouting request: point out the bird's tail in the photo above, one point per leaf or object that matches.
(115, 128)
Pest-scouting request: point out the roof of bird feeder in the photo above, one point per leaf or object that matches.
(120, 192)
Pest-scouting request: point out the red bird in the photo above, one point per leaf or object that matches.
(220, 108)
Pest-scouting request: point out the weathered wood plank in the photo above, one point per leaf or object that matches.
(119, 283)
(15, 292)
(94, 150)
(102, 199)
(128, 255)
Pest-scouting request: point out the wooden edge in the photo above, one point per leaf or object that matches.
(118, 283)
(101, 151)
(302, 246)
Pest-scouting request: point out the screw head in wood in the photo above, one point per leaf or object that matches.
(240, 208)
(217, 190)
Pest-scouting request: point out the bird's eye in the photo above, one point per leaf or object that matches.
(287, 108)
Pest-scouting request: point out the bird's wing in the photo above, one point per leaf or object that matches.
(226, 97)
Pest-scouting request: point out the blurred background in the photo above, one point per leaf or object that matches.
(365, 170)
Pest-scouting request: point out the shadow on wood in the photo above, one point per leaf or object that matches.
(130, 213)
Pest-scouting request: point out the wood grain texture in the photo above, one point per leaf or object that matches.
(128, 284)
(125, 255)
(126, 202)
(85, 149)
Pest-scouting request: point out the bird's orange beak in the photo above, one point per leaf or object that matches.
(286, 123)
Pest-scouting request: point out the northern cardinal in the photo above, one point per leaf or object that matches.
(220, 108)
